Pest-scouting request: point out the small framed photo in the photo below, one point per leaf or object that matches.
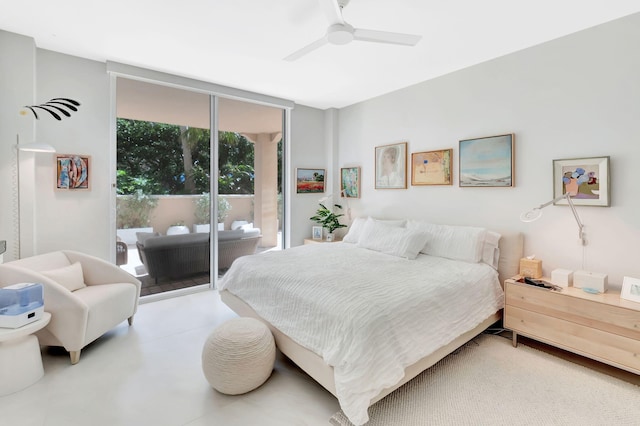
(310, 181)
(431, 167)
(586, 179)
(350, 182)
(487, 162)
(631, 289)
(391, 166)
(316, 232)
(72, 171)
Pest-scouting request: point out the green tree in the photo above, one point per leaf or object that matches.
(160, 158)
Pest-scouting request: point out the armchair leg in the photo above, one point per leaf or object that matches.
(130, 320)
(75, 357)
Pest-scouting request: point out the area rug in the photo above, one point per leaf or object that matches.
(489, 382)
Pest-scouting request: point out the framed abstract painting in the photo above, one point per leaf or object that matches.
(431, 167)
(586, 179)
(488, 161)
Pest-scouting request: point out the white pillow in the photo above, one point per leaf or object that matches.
(237, 224)
(453, 242)
(393, 240)
(70, 277)
(355, 230)
(490, 249)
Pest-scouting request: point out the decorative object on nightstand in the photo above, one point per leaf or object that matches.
(590, 281)
(328, 219)
(631, 289)
(562, 277)
(316, 232)
(530, 267)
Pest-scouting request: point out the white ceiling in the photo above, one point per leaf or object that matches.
(242, 43)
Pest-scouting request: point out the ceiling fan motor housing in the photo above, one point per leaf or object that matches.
(340, 33)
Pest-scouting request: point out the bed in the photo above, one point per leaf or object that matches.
(366, 315)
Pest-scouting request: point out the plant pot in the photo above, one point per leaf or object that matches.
(177, 230)
(201, 227)
(330, 236)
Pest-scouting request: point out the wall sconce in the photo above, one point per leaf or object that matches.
(536, 212)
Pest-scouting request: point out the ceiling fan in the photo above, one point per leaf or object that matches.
(340, 32)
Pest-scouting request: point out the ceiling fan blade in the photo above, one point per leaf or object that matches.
(332, 11)
(386, 37)
(308, 48)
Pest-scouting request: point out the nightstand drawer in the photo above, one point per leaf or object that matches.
(611, 348)
(584, 309)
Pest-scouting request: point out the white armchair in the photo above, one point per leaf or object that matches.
(86, 296)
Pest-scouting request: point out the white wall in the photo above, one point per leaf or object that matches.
(308, 149)
(17, 88)
(578, 96)
(76, 220)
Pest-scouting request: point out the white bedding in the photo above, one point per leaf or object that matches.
(367, 314)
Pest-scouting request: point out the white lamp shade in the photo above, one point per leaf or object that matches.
(36, 147)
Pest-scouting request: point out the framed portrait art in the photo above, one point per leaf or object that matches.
(310, 181)
(488, 161)
(431, 167)
(586, 179)
(72, 171)
(316, 232)
(350, 182)
(391, 166)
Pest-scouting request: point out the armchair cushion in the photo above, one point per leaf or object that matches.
(69, 277)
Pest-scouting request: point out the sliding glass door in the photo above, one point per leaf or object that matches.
(201, 175)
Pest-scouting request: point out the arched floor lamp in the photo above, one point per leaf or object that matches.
(29, 147)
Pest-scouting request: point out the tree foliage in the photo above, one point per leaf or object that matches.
(160, 158)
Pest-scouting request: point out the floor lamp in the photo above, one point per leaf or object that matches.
(29, 147)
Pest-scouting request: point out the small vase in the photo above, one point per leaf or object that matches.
(330, 236)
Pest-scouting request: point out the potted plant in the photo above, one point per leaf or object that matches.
(133, 214)
(178, 228)
(223, 212)
(328, 219)
(202, 213)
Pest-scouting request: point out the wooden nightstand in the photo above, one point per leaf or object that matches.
(603, 326)
(312, 241)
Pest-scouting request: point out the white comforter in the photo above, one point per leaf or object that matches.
(367, 314)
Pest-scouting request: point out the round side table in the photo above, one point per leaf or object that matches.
(20, 358)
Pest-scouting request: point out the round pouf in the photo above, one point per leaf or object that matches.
(238, 356)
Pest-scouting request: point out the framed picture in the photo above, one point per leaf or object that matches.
(316, 232)
(431, 167)
(72, 171)
(586, 179)
(391, 166)
(630, 289)
(487, 161)
(350, 182)
(310, 181)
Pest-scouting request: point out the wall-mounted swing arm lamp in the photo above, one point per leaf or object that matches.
(536, 212)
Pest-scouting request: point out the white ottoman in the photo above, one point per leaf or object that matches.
(238, 356)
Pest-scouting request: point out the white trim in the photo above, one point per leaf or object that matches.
(157, 77)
